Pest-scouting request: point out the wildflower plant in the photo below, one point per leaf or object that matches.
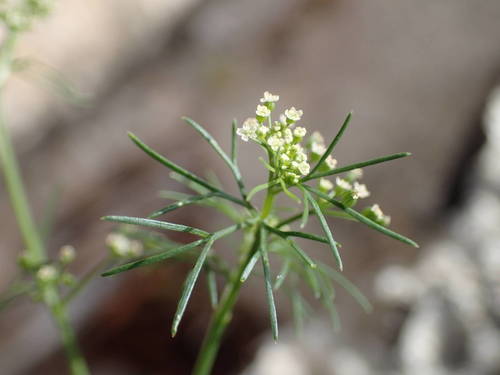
(42, 278)
(299, 167)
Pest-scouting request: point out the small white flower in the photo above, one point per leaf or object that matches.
(275, 142)
(269, 98)
(318, 148)
(293, 114)
(135, 249)
(325, 184)
(67, 254)
(293, 176)
(379, 215)
(360, 191)
(316, 137)
(301, 156)
(304, 168)
(249, 129)
(262, 111)
(119, 244)
(343, 184)
(263, 130)
(287, 136)
(284, 158)
(356, 174)
(299, 131)
(283, 119)
(47, 273)
(377, 211)
(331, 162)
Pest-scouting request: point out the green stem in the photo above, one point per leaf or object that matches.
(269, 200)
(268, 203)
(35, 254)
(34, 248)
(222, 315)
(59, 313)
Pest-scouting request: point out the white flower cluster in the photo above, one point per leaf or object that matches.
(380, 215)
(346, 189)
(375, 213)
(318, 148)
(288, 158)
(121, 246)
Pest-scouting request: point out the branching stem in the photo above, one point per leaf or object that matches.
(35, 254)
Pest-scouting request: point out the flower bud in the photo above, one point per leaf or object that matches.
(47, 273)
(67, 254)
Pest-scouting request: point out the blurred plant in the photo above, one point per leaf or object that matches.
(45, 280)
(291, 164)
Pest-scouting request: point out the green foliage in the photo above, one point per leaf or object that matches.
(266, 235)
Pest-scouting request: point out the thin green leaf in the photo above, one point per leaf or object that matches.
(303, 255)
(212, 288)
(215, 145)
(312, 280)
(183, 172)
(156, 224)
(234, 142)
(305, 213)
(328, 297)
(326, 228)
(297, 311)
(332, 144)
(267, 165)
(363, 219)
(182, 203)
(268, 284)
(249, 267)
(189, 285)
(339, 214)
(350, 167)
(288, 192)
(280, 278)
(261, 187)
(292, 233)
(348, 286)
(170, 253)
(334, 315)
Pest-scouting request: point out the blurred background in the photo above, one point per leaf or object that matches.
(419, 76)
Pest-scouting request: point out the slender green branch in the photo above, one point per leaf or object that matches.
(35, 253)
(34, 246)
(222, 315)
(59, 313)
(332, 144)
(362, 164)
(178, 169)
(215, 145)
(363, 219)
